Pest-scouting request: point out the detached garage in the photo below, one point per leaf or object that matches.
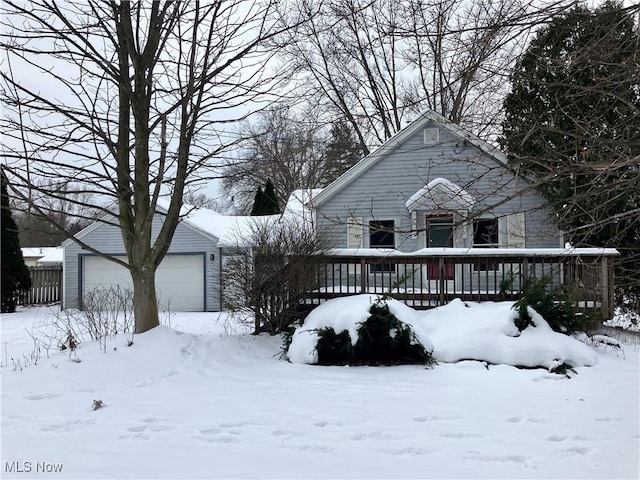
(188, 279)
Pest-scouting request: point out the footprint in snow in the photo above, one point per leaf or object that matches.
(371, 436)
(575, 451)
(324, 423)
(286, 433)
(412, 451)
(461, 435)
(519, 418)
(608, 419)
(44, 396)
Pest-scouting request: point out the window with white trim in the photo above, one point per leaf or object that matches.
(382, 235)
(486, 235)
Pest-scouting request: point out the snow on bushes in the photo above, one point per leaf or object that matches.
(454, 332)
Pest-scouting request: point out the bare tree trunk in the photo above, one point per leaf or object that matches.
(145, 304)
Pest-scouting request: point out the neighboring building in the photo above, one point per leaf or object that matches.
(42, 256)
(434, 185)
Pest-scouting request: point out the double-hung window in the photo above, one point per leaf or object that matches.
(382, 235)
(485, 235)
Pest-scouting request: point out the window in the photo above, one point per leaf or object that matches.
(485, 235)
(382, 235)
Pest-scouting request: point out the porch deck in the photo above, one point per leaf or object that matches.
(432, 277)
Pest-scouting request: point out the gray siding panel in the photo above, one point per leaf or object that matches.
(107, 239)
(381, 191)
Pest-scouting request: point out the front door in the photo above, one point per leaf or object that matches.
(439, 234)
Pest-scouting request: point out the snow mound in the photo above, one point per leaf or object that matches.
(454, 332)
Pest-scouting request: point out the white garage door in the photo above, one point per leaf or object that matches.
(179, 280)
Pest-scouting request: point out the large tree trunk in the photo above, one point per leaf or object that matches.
(145, 303)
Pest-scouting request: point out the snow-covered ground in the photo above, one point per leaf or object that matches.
(629, 321)
(202, 399)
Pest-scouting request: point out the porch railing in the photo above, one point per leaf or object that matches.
(432, 277)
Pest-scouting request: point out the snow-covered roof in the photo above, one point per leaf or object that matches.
(236, 230)
(43, 255)
(440, 193)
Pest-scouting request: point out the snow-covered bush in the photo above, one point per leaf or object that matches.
(379, 338)
(455, 332)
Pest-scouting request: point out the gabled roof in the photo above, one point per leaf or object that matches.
(398, 139)
(228, 230)
(440, 193)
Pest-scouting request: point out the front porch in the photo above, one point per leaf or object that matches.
(435, 276)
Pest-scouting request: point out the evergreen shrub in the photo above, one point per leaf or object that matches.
(382, 340)
(555, 307)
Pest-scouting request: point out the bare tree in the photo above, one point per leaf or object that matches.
(377, 63)
(279, 145)
(272, 271)
(129, 101)
(63, 203)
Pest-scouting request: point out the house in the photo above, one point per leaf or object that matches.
(42, 256)
(436, 213)
(434, 184)
(189, 277)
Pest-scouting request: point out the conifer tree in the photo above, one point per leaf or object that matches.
(258, 202)
(15, 274)
(572, 121)
(266, 201)
(343, 151)
(271, 206)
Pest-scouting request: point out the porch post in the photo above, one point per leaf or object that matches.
(363, 276)
(441, 278)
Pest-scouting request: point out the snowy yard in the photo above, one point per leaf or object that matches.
(202, 399)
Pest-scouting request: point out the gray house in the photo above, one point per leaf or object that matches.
(434, 185)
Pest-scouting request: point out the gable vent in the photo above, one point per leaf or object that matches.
(431, 136)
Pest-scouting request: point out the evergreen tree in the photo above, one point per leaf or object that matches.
(15, 274)
(266, 201)
(258, 203)
(271, 206)
(343, 151)
(572, 121)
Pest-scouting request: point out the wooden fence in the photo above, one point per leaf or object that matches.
(46, 286)
(431, 278)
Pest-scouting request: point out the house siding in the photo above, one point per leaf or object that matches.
(108, 239)
(381, 192)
